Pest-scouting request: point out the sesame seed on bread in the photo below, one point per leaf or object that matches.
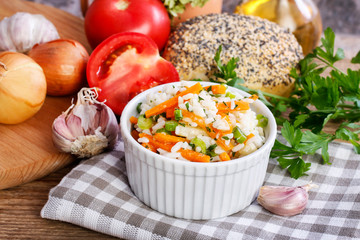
(266, 51)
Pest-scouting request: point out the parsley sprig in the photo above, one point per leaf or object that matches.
(316, 101)
(176, 7)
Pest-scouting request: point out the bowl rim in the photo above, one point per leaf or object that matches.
(125, 133)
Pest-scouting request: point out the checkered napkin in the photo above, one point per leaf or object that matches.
(96, 195)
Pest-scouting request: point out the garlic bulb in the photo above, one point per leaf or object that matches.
(284, 201)
(21, 31)
(86, 128)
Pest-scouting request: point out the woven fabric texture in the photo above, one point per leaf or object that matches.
(96, 195)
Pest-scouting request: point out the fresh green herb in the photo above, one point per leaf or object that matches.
(144, 123)
(138, 107)
(187, 105)
(175, 7)
(227, 71)
(316, 101)
(211, 150)
(178, 114)
(212, 147)
(225, 138)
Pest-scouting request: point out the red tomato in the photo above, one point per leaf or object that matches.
(107, 17)
(126, 64)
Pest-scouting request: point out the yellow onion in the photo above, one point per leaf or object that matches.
(64, 64)
(22, 87)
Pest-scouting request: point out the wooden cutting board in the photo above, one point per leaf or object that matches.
(26, 149)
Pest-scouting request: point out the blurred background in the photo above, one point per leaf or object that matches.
(343, 16)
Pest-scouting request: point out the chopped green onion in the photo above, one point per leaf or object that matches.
(171, 125)
(211, 153)
(230, 95)
(262, 120)
(199, 143)
(138, 107)
(178, 114)
(239, 136)
(144, 123)
(163, 130)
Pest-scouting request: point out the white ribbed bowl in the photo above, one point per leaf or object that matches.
(194, 190)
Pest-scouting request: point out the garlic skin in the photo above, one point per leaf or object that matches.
(21, 31)
(284, 201)
(86, 128)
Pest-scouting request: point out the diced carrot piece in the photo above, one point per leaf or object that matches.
(226, 106)
(165, 146)
(251, 135)
(156, 144)
(133, 120)
(194, 156)
(195, 118)
(254, 97)
(218, 89)
(170, 112)
(224, 156)
(149, 146)
(196, 88)
(165, 138)
(135, 134)
(242, 105)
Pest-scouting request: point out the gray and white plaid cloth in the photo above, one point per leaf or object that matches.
(96, 195)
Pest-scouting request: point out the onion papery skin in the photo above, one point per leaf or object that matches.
(64, 63)
(22, 88)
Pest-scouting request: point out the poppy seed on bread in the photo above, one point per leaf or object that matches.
(266, 51)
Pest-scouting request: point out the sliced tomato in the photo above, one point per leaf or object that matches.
(126, 64)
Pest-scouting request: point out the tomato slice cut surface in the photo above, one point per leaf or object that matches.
(126, 64)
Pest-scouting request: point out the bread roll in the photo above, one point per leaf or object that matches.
(266, 51)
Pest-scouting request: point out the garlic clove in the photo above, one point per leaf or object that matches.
(284, 201)
(72, 123)
(21, 31)
(86, 128)
(60, 127)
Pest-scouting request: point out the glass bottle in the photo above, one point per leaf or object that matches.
(301, 17)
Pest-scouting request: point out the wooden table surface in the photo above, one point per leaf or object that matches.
(20, 206)
(20, 209)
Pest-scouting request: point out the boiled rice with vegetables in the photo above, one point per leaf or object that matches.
(190, 122)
